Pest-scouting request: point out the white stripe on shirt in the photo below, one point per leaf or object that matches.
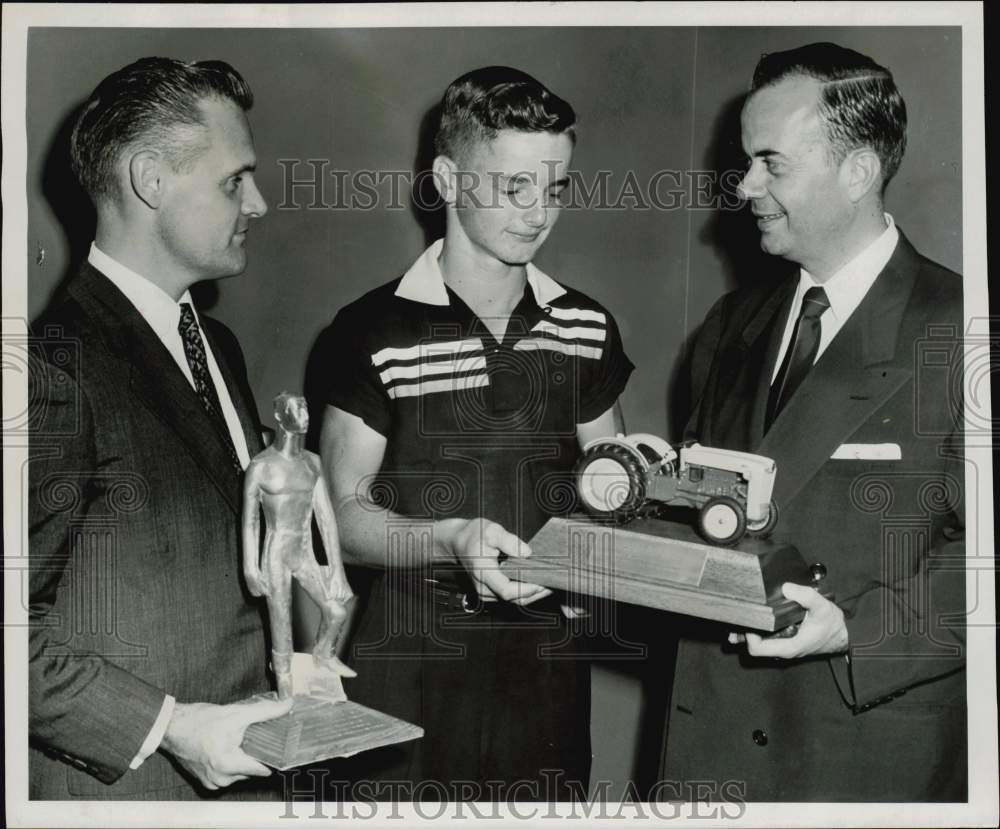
(569, 349)
(582, 314)
(451, 384)
(571, 333)
(425, 351)
(395, 373)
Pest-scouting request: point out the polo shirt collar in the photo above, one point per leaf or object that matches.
(424, 282)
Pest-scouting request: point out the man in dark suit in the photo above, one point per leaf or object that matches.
(841, 372)
(144, 646)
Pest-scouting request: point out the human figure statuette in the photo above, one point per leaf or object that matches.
(285, 481)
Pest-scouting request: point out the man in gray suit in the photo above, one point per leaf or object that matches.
(144, 644)
(845, 369)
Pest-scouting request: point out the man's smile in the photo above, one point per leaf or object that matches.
(766, 218)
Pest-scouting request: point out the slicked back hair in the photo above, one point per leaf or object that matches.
(156, 101)
(859, 104)
(481, 103)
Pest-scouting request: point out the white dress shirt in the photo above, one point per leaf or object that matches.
(163, 315)
(844, 290)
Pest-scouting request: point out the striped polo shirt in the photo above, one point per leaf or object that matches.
(475, 426)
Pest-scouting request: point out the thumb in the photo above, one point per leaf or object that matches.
(267, 709)
(510, 544)
(799, 593)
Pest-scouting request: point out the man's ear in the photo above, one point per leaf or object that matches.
(145, 170)
(445, 178)
(863, 171)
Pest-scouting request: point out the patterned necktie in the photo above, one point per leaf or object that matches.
(194, 350)
(801, 352)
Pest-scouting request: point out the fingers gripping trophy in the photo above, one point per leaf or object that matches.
(285, 481)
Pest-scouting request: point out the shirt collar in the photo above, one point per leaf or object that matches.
(848, 286)
(424, 282)
(154, 305)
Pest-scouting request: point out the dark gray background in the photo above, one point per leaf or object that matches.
(648, 99)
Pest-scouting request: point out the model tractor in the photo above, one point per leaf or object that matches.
(619, 478)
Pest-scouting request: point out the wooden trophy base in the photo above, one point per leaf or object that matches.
(665, 565)
(322, 724)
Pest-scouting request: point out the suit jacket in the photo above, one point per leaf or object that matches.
(887, 721)
(136, 585)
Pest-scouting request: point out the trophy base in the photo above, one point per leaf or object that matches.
(665, 565)
(318, 729)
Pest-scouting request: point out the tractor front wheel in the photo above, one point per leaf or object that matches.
(722, 521)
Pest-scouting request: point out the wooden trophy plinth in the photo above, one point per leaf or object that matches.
(665, 565)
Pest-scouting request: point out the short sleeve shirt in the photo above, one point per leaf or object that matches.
(475, 427)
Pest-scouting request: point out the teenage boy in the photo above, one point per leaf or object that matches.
(461, 394)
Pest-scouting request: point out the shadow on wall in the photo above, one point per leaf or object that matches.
(315, 383)
(732, 235)
(427, 209)
(731, 231)
(680, 396)
(68, 201)
(426, 204)
(75, 213)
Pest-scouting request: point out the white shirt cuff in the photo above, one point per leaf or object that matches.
(155, 736)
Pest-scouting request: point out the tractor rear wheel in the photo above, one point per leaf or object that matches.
(611, 482)
(722, 521)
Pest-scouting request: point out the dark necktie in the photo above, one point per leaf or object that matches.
(194, 350)
(801, 353)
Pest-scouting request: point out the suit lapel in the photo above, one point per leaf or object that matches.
(156, 379)
(741, 399)
(854, 377)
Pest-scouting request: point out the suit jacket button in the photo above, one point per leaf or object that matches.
(760, 737)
